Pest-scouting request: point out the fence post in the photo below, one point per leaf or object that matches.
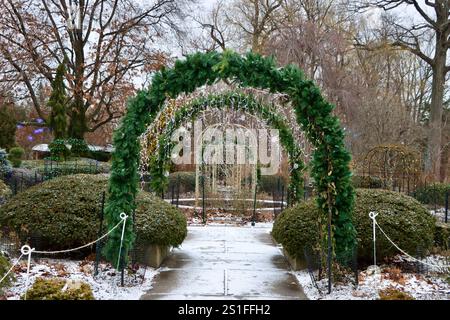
(15, 186)
(173, 193)
(288, 196)
(203, 199)
(282, 198)
(435, 197)
(98, 244)
(446, 206)
(274, 203)
(134, 231)
(254, 206)
(330, 250)
(178, 190)
(304, 190)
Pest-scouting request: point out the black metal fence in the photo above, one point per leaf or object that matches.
(316, 265)
(19, 180)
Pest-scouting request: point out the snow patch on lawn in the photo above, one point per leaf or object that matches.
(105, 286)
(432, 286)
(439, 214)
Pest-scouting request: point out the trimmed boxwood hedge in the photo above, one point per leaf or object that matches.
(52, 289)
(367, 182)
(433, 193)
(158, 222)
(65, 212)
(5, 265)
(5, 192)
(403, 219)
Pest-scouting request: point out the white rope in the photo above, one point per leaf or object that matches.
(9, 271)
(27, 250)
(124, 217)
(373, 217)
(86, 245)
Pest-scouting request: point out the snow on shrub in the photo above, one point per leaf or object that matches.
(65, 212)
(403, 219)
(158, 222)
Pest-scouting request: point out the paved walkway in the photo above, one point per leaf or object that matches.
(225, 262)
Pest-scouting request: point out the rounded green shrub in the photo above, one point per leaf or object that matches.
(15, 156)
(367, 182)
(59, 150)
(78, 148)
(5, 192)
(403, 218)
(186, 179)
(65, 213)
(59, 289)
(442, 235)
(298, 227)
(5, 165)
(158, 222)
(432, 193)
(4, 267)
(394, 294)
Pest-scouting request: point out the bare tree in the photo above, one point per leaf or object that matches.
(435, 23)
(103, 43)
(256, 20)
(215, 32)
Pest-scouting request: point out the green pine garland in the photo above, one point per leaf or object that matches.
(330, 164)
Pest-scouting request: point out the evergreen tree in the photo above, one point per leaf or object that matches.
(57, 103)
(7, 128)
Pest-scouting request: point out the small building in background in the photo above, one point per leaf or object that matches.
(42, 151)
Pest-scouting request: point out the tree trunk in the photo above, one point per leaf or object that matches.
(433, 156)
(78, 126)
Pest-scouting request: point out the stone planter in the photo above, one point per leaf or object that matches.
(295, 263)
(154, 255)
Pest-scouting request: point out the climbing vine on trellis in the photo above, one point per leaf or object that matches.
(330, 163)
(235, 101)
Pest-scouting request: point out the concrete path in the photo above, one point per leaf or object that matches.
(226, 262)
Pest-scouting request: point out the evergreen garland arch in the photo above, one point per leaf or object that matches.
(330, 163)
(235, 101)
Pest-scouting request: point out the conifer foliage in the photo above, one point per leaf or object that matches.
(57, 103)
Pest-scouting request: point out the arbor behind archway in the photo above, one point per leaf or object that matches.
(330, 163)
(236, 101)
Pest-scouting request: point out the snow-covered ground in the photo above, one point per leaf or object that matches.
(440, 214)
(105, 286)
(431, 286)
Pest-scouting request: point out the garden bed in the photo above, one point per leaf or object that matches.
(105, 286)
(433, 285)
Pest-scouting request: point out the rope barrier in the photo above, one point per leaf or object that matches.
(26, 250)
(6, 274)
(373, 216)
(124, 217)
(86, 245)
